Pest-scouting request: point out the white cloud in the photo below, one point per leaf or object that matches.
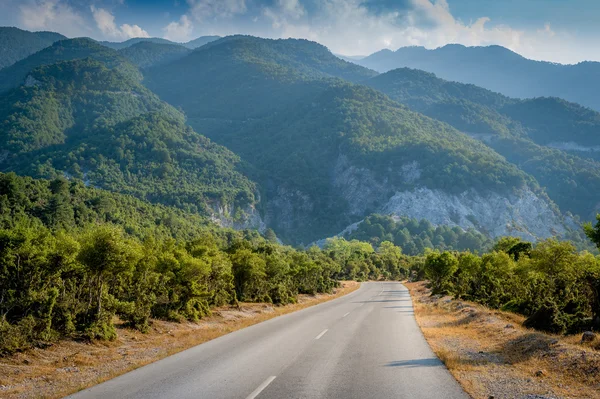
(205, 9)
(53, 15)
(105, 21)
(349, 27)
(179, 31)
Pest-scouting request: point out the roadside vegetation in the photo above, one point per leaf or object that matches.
(75, 258)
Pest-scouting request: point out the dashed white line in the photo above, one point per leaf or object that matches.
(322, 333)
(261, 388)
(346, 314)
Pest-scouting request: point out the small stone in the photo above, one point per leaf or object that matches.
(509, 326)
(26, 361)
(588, 336)
(540, 373)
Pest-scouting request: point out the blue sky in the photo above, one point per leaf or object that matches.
(556, 30)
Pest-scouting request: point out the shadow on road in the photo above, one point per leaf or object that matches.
(429, 362)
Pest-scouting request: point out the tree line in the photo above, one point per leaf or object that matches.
(556, 287)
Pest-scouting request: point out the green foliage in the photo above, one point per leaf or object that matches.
(148, 54)
(16, 44)
(517, 129)
(415, 236)
(555, 287)
(66, 50)
(439, 267)
(93, 123)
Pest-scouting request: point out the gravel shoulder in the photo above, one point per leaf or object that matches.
(69, 366)
(493, 356)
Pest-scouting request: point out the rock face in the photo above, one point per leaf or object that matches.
(522, 213)
(239, 219)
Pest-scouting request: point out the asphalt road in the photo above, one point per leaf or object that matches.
(364, 345)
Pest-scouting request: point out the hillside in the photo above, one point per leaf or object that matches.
(62, 204)
(16, 44)
(201, 41)
(148, 54)
(242, 77)
(84, 120)
(328, 153)
(65, 50)
(498, 69)
(524, 131)
(192, 44)
(135, 40)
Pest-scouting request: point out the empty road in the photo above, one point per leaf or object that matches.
(364, 345)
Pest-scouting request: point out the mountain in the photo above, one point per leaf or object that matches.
(498, 69)
(135, 40)
(65, 50)
(148, 54)
(201, 41)
(528, 133)
(81, 119)
(327, 153)
(16, 44)
(192, 44)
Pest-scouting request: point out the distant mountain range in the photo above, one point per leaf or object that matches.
(192, 44)
(498, 69)
(253, 132)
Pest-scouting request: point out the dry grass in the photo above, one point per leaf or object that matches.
(492, 355)
(70, 366)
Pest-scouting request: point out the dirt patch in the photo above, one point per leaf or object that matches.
(69, 366)
(493, 356)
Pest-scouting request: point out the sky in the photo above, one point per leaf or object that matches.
(564, 31)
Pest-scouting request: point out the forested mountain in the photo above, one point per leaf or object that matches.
(498, 69)
(148, 54)
(65, 50)
(328, 153)
(324, 150)
(241, 77)
(201, 41)
(16, 44)
(81, 119)
(136, 40)
(192, 44)
(524, 131)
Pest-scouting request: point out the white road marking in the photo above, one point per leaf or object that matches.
(361, 304)
(322, 333)
(261, 387)
(346, 314)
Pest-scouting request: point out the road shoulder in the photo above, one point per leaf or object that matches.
(493, 356)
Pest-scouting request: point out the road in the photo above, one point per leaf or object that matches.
(364, 345)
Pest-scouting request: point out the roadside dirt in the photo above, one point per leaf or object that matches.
(69, 366)
(493, 356)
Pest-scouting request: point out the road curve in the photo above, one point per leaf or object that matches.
(364, 345)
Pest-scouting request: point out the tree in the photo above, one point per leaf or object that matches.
(439, 267)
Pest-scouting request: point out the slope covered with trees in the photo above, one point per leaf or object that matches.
(148, 54)
(65, 50)
(241, 77)
(282, 107)
(84, 120)
(517, 129)
(17, 44)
